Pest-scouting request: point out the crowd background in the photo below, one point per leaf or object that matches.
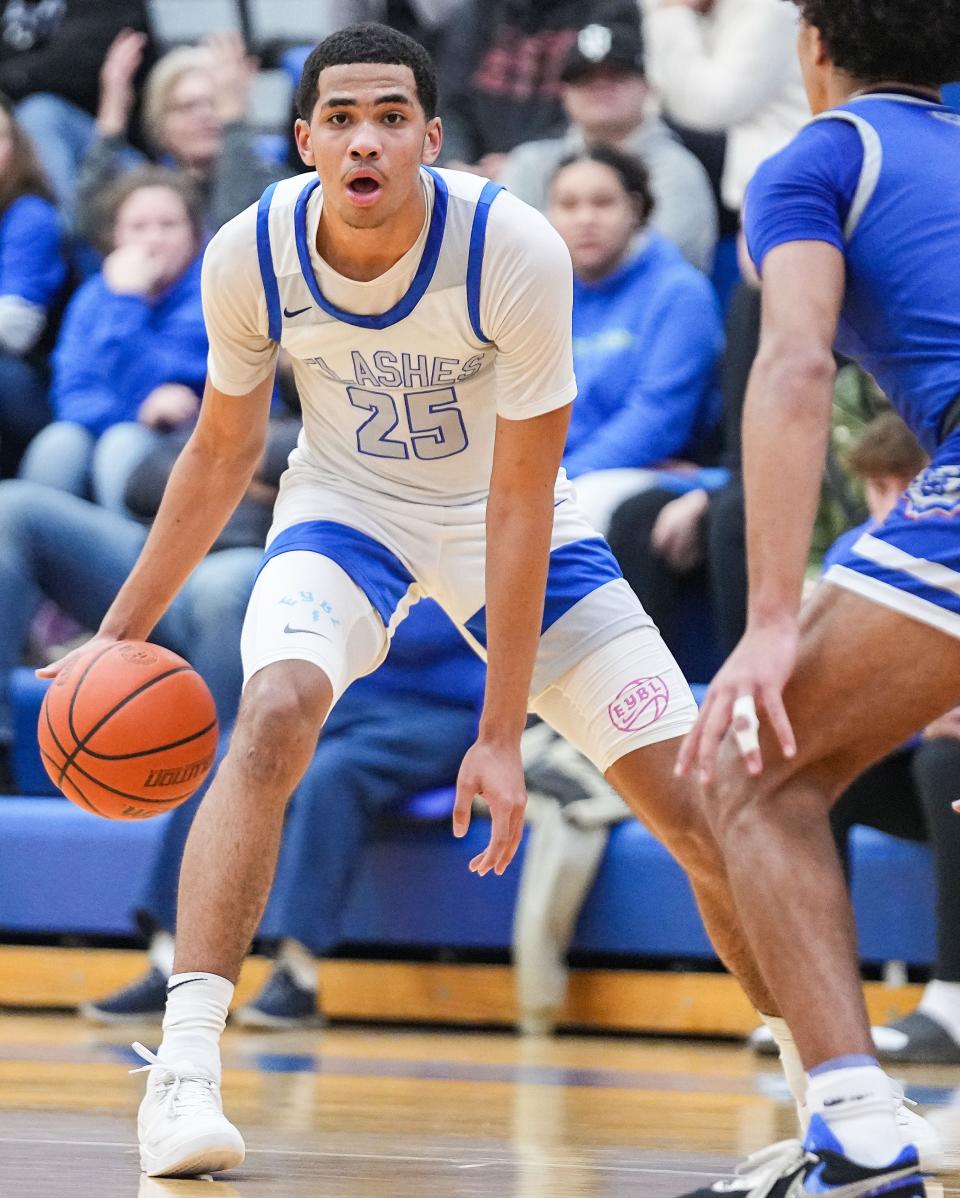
(131, 131)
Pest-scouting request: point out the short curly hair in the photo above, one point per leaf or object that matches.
(899, 41)
(368, 42)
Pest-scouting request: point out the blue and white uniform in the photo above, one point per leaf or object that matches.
(879, 178)
(401, 382)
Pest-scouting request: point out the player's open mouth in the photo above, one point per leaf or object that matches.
(364, 189)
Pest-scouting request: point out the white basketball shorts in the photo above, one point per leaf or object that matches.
(340, 572)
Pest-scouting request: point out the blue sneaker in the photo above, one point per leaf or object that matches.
(145, 998)
(281, 1005)
(818, 1167)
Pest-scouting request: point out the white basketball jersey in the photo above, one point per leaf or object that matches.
(403, 402)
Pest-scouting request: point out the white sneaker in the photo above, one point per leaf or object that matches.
(914, 1129)
(182, 1128)
(918, 1131)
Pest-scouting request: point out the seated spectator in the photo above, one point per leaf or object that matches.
(59, 547)
(670, 546)
(606, 101)
(499, 63)
(195, 117)
(32, 274)
(130, 361)
(729, 66)
(647, 334)
(50, 53)
(395, 733)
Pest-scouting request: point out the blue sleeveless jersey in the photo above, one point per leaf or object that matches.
(879, 178)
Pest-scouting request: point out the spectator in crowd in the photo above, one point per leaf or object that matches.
(647, 334)
(32, 274)
(499, 63)
(50, 52)
(671, 545)
(729, 66)
(195, 116)
(59, 547)
(130, 361)
(606, 101)
(394, 734)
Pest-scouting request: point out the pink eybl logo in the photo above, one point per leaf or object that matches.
(640, 704)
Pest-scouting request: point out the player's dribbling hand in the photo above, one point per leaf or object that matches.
(496, 775)
(755, 673)
(100, 641)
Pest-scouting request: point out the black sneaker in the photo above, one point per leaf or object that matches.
(281, 1004)
(142, 999)
(923, 1041)
(818, 1167)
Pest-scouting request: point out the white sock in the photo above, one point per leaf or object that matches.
(858, 1106)
(196, 1014)
(793, 1069)
(301, 963)
(941, 1001)
(161, 952)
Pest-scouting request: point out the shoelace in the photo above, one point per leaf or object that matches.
(768, 1165)
(187, 1093)
(902, 1101)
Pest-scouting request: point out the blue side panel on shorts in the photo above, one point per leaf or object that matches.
(380, 574)
(574, 571)
(265, 258)
(478, 237)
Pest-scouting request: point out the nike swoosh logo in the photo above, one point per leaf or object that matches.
(312, 631)
(853, 1190)
(185, 982)
(298, 312)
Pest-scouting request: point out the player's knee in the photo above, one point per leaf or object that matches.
(281, 715)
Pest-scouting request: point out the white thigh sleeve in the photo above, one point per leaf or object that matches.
(626, 695)
(304, 607)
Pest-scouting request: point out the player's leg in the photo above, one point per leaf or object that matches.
(866, 679)
(309, 632)
(625, 706)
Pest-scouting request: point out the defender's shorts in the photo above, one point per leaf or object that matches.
(911, 563)
(341, 572)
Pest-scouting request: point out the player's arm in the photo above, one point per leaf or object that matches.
(207, 482)
(786, 424)
(526, 306)
(519, 526)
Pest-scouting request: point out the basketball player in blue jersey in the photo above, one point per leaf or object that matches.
(427, 315)
(855, 228)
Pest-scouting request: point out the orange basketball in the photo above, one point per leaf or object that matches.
(129, 731)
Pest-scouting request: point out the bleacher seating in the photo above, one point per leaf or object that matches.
(67, 873)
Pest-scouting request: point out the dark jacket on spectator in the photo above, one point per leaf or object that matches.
(499, 64)
(114, 350)
(60, 47)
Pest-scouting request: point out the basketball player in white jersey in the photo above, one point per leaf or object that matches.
(428, 318)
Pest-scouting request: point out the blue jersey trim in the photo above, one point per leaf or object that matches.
(902, 581)
(574, 571)
(267, 273)
(421, 281)
(478, 237)
(378, 572)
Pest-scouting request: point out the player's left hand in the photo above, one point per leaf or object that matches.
(753, 679)
(495, 773)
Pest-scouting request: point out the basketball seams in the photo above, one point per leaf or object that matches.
(174, 744)
(123, 794)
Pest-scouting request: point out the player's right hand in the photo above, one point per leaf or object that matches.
(100, 641)
(495, 774)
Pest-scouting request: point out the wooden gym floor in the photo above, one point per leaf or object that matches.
(352, 1113)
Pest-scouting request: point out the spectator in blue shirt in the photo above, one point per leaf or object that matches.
(647, 334)
(130, 361)
(32, 274)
